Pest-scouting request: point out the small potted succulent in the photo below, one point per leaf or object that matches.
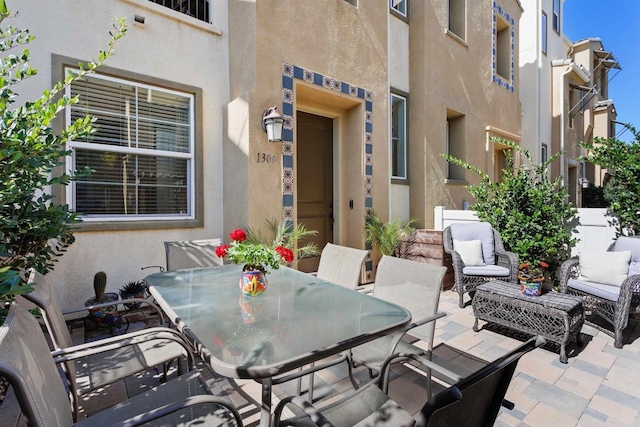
(133, 289)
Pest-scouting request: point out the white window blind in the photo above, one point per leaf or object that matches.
(141, 151)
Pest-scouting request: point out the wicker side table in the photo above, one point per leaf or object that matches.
(557, 317)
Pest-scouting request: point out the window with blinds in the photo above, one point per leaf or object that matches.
(141, 153)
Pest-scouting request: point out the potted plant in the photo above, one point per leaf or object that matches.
(393, 238)
(531, 276)
(260, 254)
(105, 315)
(133, 289)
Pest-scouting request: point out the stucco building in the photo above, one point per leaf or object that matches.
(372, 92)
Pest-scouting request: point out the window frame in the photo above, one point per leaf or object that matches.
(556, 16)
(544, 24)
(398, 13)
(195, 217)
(396, 93)
(450, 31)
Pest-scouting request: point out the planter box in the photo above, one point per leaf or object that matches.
(429, 249)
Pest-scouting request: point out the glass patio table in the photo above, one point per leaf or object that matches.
(300, 319)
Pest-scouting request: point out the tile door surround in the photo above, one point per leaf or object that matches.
(289, 73)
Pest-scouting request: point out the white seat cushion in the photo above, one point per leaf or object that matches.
(486, 270)
(607, 292)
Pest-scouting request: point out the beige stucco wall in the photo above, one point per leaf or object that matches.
(449, 74)
(334, 39)
(168, 46)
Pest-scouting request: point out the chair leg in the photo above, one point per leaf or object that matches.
(460, 296)
(618, 339)
(351, 377)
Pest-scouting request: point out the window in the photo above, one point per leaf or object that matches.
(399, 137)
(503, 49)
(400, 7)
(556, 16)
(142, 151)
(457, 18)
(544, 153)
(543, 33)
(455, 145)
(198, 9)
(352, 2)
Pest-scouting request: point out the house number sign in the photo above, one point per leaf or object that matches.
(266, 158)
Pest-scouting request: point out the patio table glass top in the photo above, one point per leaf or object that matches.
(299, 319)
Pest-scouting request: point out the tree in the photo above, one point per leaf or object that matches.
(531, 212)
(34, 230)
(622, 191)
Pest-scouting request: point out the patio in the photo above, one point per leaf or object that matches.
(596, 387)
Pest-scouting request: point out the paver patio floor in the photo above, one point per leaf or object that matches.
(599, 385)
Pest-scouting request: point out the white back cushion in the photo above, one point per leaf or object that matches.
(470, 251)
(607, 268)
(477, 231)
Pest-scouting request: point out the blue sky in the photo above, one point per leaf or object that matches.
(617, 24)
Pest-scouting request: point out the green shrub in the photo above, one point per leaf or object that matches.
(531, 212)
(34, 230)
(388, 237)
(622, 191)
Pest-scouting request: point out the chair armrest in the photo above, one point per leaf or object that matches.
(309, 370)
(630, 286)
(383, 379)
(398, 335)
(112, 343)
(570, 269)
(122, 301)
(310, 410)
(509, 260)
(165, 410)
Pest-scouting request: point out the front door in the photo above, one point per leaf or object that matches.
(315, 181)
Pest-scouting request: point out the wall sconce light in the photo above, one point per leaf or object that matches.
(584, 182)
(272, 124)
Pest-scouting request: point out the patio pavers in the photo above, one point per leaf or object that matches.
(597, 387)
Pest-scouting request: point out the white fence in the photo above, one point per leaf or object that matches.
(591, 227)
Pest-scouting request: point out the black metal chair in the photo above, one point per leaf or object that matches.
(471, 401)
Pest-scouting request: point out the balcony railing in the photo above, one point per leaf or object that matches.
(198, 9)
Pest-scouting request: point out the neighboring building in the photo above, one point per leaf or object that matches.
(564, 95)
(541, 41)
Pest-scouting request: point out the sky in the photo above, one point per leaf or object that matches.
(617, 24)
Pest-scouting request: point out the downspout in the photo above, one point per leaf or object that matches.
(539, 88)
(565, 74)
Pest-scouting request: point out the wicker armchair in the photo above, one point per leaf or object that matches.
(611, 303)
(498, 263)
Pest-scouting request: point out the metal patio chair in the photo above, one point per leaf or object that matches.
(192, 254)
(471, 401)
(25, 361)
(612, 303)
(341, 265)
(495, 261)
(98, 363)
(415, 286)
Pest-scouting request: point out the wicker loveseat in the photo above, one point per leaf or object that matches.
(493, 263)
(608, 293)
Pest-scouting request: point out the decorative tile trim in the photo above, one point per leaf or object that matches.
(290, 72)
(499, 80)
